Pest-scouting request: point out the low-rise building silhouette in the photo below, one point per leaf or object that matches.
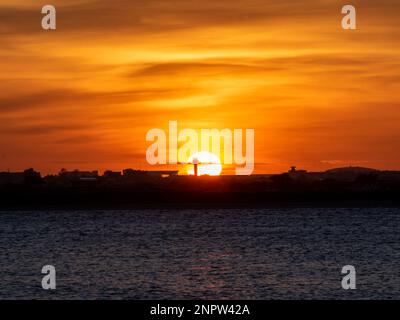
(112, 174)
(77, 175)
(141, 173)
(29, 176)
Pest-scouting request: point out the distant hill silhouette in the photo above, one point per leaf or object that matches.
(352, 170)
(349, 173)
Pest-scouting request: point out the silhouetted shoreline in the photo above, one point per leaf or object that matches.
(343, 187)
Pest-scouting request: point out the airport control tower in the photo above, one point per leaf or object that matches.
(196, 166)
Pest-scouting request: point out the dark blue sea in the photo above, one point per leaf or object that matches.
(201, 254)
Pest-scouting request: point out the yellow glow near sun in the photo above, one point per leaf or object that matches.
(208, 164)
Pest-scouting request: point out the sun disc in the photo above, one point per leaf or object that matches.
(208, 164)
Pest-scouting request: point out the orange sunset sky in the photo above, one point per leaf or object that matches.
(85, 95)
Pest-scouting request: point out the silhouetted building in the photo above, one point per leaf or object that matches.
(163, 174)
(293, 169)
(29, 176)
(142, 173)
(196, 167)
(32, 177)
(77, 175)
(11, 178)
(132, 173)
(112, 174)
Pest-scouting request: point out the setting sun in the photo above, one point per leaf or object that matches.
(208, 164)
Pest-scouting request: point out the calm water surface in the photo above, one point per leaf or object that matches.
(201, 254)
